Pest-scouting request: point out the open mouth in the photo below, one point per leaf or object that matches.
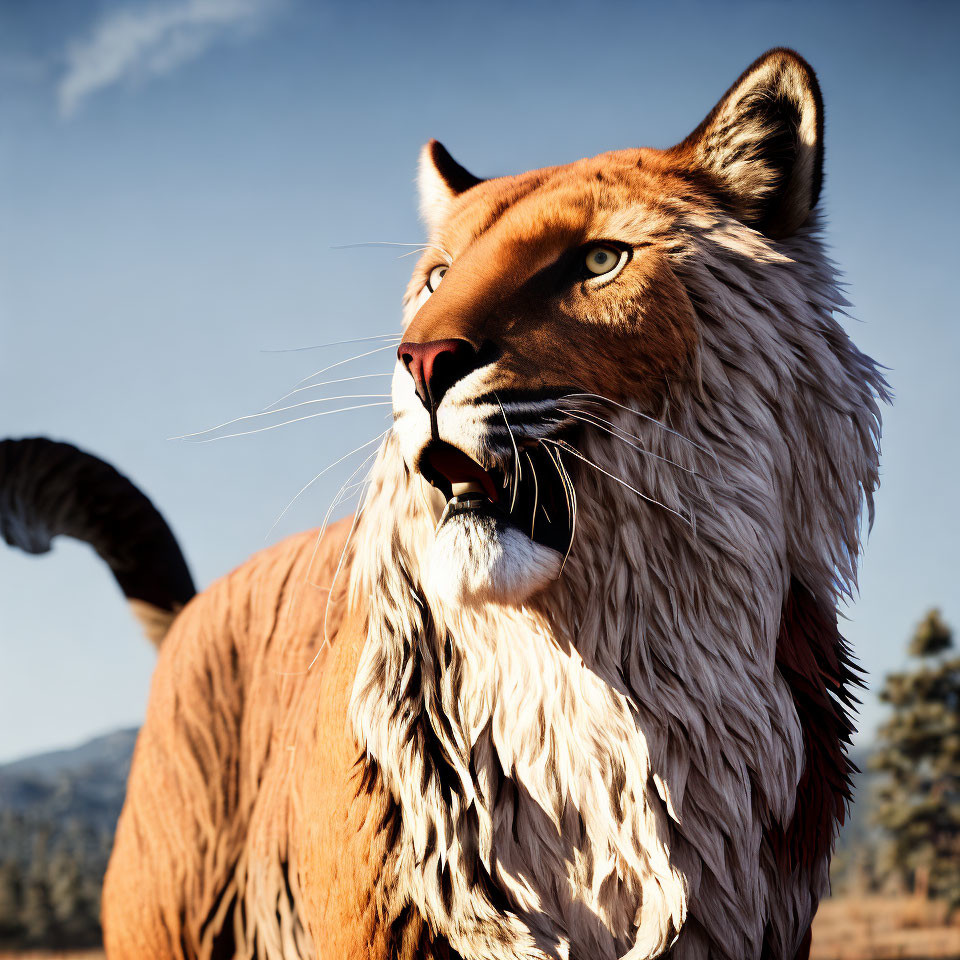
(532, 496)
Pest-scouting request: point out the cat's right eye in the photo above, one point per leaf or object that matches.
(436, 275)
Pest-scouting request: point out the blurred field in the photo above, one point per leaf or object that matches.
(847, 928)
(53, 955)
(884, 928)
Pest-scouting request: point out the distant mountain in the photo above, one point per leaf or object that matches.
(109, 748)
(58, 814)
(86, 783)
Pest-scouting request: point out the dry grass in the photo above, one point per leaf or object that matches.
(884, 928)
(847, 928)
(52, 955)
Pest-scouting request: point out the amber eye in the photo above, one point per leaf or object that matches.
(601, 260)
(436, 275)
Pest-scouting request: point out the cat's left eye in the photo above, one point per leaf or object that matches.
(601, 260)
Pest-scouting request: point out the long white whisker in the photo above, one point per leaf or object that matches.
(568, 489)
(293, 406)
(374, 243)
(597, 397)
(274, 426)
(332, 343)
(568, 480)
(573, 496)
(614, 431)
(313, 556)
(536, 493)
(326, 383)
(339, 498)
(328, 467)
(340, 363)
(392, 243)
(516, 456)
(343, 553)
(596, 466)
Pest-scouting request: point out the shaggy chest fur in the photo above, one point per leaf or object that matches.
(594, 776)
(613, 769)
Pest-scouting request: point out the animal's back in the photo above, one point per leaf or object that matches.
(203, 864)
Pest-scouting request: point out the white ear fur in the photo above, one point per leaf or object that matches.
(440, 180)
(763, 142)
(435, 195)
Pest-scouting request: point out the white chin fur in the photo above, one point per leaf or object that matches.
(475, 559)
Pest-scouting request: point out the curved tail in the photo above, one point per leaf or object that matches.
(49, 488)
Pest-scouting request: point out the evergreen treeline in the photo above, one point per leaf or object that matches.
(918, 800)
(50, 877)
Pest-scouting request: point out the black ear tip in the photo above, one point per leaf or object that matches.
(435, 152)
(458, 178)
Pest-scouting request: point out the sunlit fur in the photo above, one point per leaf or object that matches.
(478, 560)
(649, 665)
(587, 765)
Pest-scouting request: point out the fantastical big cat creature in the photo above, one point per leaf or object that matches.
(578, 689)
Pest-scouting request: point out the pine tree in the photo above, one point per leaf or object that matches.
(76, 921)
(11, 897)
(37, 916)
(919, 800)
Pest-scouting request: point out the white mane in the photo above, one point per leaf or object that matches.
(590, 775)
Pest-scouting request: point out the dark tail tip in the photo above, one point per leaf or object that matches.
(48, 489)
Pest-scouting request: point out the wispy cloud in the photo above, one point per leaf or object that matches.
(149, 41)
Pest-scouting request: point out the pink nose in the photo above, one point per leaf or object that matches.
(436, 366)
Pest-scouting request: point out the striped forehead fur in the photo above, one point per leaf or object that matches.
(592, 774)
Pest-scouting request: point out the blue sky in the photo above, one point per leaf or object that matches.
(175, 177)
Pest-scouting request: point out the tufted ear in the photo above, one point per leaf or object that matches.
(763, 143)
(441, 179)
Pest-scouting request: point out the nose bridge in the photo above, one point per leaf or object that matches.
(465, 305)
(437, 325)
(460, 309)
